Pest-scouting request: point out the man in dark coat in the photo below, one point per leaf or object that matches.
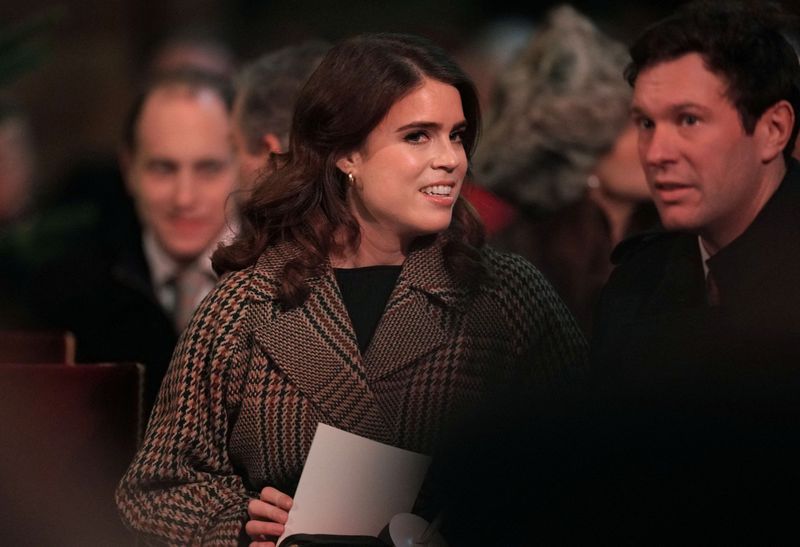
(130, 302)
(716, 105)
(697, 334)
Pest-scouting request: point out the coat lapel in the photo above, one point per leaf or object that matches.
(413, 324)
(315, 346)
(681, 286)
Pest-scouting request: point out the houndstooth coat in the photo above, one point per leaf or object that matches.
(249, 381)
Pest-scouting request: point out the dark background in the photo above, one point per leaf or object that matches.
(85, 60)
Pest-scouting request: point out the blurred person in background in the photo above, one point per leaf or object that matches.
(131, 302)
(484, 58)
(90, 204)
(17, 165)
(560, 147)
(190, 48)
(266, 90)
(18, 200)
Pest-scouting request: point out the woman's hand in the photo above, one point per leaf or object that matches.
(267, 515)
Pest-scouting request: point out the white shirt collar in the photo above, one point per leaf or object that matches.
(703, 255)
(163, 267)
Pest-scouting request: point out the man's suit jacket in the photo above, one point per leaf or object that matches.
(251, 380)
(105, 297)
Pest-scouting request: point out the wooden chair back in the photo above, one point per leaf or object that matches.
(37, 346)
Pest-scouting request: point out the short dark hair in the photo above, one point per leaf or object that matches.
(743, 43)
(193, 79)
(267, 89)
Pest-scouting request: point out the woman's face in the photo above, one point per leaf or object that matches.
(409, 171)
(620, 170)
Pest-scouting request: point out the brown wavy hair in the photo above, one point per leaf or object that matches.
(303, 198)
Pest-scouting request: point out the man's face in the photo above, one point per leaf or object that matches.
(705, 174)
(183, 169)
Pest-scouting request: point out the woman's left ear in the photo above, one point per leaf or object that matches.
(778, 123)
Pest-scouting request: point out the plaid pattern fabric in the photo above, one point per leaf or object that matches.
(249, 381)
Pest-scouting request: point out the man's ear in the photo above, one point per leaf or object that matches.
(776, 124)
(272, 144)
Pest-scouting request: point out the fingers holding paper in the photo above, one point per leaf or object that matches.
(268, 515)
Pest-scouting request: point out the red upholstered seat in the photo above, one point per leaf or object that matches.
(67, 434)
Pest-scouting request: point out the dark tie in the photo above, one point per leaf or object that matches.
(189, 283)
(712, 289)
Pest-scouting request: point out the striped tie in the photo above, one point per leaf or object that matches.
(189, 286)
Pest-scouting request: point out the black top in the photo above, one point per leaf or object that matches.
(365, 292)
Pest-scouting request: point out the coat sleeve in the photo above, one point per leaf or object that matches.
(181, 488)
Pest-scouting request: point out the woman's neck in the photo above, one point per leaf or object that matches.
(372, 250)
(618, 212)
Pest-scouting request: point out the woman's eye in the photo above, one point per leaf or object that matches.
(416, 137)
(457, 136)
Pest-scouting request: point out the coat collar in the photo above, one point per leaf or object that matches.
(770, 241)
(424, 270)
(763, 257)
(681, 285)
(315, 345)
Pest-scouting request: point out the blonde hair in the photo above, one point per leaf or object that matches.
(557, 108)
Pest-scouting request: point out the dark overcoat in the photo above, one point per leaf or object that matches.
(654, 325)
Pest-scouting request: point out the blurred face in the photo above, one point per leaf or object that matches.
(705, 174)
(620, 171)
(251, 165)
(16, 169)
(183, 170)
(409, 172)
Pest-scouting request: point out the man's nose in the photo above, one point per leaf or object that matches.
(185, 192)
(659, 147)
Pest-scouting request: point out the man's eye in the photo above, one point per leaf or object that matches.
(689, 119)
(161, 168)
(644, 123)
(210, 168)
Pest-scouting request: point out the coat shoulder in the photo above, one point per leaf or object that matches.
(233, 296)
(517, 279)
(646, 242)
(510, 269)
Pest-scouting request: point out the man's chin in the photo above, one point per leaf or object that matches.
(675, 221)
(187, 252)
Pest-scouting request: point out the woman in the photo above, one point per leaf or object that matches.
(560, 147)
(357, 294)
